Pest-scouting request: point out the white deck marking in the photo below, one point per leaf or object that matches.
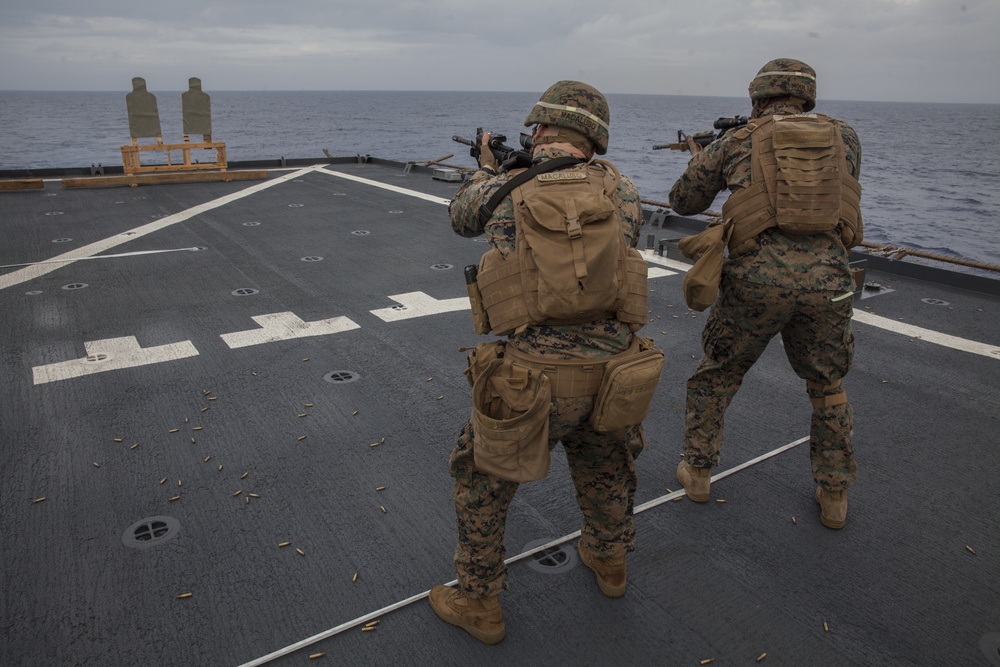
(286, 326)
(418, 304)
(115, 256)
(936, 337)
(120, 353)
(653, 258)
(656, 272)
(565, 538)
(386, 186)
(41, 268)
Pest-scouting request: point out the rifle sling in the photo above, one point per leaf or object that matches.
(486, 210)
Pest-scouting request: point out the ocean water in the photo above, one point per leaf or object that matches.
(930, 172)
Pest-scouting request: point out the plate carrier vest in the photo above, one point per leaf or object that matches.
(799, 182)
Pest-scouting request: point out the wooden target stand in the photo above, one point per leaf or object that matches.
(184, 170)
(131, 153)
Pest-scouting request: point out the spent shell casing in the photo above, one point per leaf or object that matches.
(204, 409)
(308, 405)
(244, 475)
(382, 507)
(192, 440)
(220, 466)
(174, 430)
(316, 655)
(826, 627)
(306, 359)
(184, 595)
(969, 549)
(96, 464)
(761, 656)
(196, 428)
(300, 552)
(179, 483)
(354, 578)
(720, 500)
(371, 624)
(163, 480)
(440, 397)
(177, 497)
(283, 544)
(38, 500)
(366, 629)
(213, 398)
(707, 661)
(238, 493)
(253, 495)
(185, 420)
(134, 446)
(118, 439)
(301, 437)
(303, 414)
(354, 413)
(208, 458)
(380, 488)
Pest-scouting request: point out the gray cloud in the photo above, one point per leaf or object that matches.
(906, 50)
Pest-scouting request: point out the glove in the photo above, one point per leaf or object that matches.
(486, 157)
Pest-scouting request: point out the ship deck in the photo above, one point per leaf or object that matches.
(226, 368)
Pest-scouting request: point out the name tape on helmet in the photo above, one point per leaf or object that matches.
(578, 110)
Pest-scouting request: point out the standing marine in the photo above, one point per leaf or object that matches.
(563, 282)
(793, 212)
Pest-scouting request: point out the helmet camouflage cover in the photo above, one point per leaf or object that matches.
(785, 76)
(575, 106)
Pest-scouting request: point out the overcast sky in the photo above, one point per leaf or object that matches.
(888, 50)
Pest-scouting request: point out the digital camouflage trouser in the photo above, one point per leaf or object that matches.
(603, 472)
(818, 342)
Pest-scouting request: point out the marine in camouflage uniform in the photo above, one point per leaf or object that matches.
(794, 285)
(601, 464)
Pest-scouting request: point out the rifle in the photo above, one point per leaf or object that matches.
(507, 157)
(697, 141)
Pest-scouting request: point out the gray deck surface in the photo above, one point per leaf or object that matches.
(899, 585)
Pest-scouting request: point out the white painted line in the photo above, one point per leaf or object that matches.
(286, 326)
(651, 257)
(121, 254)
(118, 352)
(40, 269)
(418, 304)
(936, 337)
(565, 538)
(386, 186)
(656, 272)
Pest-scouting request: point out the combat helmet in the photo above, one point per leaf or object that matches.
(575, 106)
(785, 76)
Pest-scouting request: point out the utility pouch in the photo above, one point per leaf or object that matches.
(510, 422)
(701, 282)
(630, 381)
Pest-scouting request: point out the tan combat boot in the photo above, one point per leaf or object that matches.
(610, 572)
(696, 481)
(832, 507)
(480, 617)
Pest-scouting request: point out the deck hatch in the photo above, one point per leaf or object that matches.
(555, 560)
(341, 377)
(150, 532)
(245, 291)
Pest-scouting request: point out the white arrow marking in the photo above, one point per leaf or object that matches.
(286, 326)
(112, 354)
(418, 304)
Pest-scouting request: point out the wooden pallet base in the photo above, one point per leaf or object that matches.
(22, 184)
(135, 180)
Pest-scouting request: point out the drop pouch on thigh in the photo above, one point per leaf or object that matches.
(510, 422)
(630, 381)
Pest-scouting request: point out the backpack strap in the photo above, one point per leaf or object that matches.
(486, 210)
